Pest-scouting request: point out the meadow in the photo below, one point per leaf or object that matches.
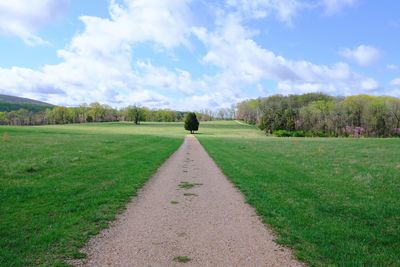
(59, 185)
(335, 201)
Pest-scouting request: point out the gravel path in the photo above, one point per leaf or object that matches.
(188, 211)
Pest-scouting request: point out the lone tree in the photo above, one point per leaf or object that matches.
(134, 113)
(191, 122)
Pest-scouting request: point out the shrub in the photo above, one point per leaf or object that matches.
(396, 132)
(314, 133)
(299, 134)
(282, 133)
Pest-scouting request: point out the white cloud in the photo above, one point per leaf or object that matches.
(364, 55)
(395, 82)
(22, 19)
(284, 10)
(166, 23)
(369, 84)
(97, 64)
(243, 61)
(167, 80)
(335, 6)
(149, 98)
(392, 67)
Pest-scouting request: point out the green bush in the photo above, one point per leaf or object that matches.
(282, 133)
(298, 134)
(314, 133)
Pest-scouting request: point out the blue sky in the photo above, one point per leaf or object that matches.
(196, 54)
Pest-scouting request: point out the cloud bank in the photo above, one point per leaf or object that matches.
(23, 18)
(101, 63)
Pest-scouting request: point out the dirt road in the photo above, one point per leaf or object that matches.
(188, 212)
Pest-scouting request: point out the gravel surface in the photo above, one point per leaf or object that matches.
(187, 212)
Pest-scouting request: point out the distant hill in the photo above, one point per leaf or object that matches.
(16, 99)
(10, 103)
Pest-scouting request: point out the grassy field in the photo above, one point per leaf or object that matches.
(61, 184)
(335, 201)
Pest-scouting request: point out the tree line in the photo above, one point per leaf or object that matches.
(94, 112)
(317, 114)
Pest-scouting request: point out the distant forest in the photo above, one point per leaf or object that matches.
(95, 112)
(317, 114)
(312, 114)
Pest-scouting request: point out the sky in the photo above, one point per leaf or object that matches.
(196, 54)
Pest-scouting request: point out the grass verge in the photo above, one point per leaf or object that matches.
(59, 185)
(335, 201)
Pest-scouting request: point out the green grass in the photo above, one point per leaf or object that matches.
(182, 259)
(59, 185)
(187, 185)
(335, 201)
